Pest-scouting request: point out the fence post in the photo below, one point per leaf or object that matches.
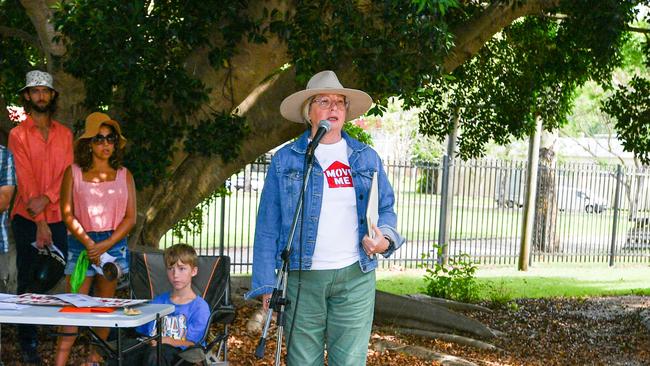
(447, 193)
(617, 202)
(531, 193)
(222, 223)
(443, 236)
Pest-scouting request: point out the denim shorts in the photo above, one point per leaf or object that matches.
(120, 251)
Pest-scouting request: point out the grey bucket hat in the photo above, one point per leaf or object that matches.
(38, 78)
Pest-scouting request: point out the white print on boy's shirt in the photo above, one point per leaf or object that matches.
(338, 175)
(174, 326)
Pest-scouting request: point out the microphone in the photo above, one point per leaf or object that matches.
(323, 128)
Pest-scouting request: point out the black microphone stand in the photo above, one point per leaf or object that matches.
(279, 297)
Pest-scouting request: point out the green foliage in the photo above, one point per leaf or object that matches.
(499, 294)
(427, 176)
(586, 118)
(192, 224)
(426, 149)
(630, 105)
(426, 156)
(435, 5)
(530, 70)
(17, 57)
(358, 133)
(331, 33)
(454, 281)
(132, 58)
(220, 135)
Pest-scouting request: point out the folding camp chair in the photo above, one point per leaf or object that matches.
(148, 278)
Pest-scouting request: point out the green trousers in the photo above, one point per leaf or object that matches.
(335, 308)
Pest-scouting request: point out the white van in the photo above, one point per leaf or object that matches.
(576, 199)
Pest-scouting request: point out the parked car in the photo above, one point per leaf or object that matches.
(575, 199)
(638, 236)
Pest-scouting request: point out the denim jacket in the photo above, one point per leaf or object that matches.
(279, 200)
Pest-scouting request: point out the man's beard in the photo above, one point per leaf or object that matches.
(48, 108)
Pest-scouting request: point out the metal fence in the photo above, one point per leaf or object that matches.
(593, 213)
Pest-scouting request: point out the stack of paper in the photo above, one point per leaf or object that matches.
(372, 211)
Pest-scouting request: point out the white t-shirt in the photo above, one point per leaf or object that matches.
(337, 237)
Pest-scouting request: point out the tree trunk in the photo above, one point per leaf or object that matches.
(544, 238)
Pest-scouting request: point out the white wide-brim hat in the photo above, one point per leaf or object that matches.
(38, 78)
(325, 82)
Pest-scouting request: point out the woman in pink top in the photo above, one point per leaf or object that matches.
(98, 208)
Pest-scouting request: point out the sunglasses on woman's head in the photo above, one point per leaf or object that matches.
(99, 139)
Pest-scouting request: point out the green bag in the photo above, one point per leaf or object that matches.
(79, 274)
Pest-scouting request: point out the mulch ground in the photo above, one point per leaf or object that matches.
(594, 331)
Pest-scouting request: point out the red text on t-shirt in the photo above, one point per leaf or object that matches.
(338, 175)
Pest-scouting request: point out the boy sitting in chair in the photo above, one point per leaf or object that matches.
(186, 325)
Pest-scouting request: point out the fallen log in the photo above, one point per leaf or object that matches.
(454, 338)
(420, 352)
(395, 309)
(450, 304)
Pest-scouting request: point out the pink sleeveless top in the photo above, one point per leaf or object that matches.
(99, 206)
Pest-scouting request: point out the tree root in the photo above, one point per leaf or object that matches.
(448, 338)
(450, 304)
(420, 352)
(402, 311)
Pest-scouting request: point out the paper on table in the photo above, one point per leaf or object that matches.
(79, 300)
(11, 306)
(372, 211)
(63, 300)
(4, 296)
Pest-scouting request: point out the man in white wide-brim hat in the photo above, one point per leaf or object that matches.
(333, 255)
(42, 149)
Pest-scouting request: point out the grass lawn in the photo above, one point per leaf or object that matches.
(543, 280)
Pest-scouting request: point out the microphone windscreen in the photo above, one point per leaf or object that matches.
(325, 124)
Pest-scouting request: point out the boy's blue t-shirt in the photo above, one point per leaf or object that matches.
(187, 322)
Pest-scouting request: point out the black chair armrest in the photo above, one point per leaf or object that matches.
(225, 314)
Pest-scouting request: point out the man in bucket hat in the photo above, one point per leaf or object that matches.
(334, 252)
(42, 149)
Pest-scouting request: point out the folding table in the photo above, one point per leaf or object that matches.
(50, 315)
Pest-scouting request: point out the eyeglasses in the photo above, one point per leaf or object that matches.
(99, 139)
(327, 103)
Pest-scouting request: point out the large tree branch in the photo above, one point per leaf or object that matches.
(231, 85)
(194, 177)
(471, 36)
(198, 176)
(40, 13)
(9, 32)
(639, 30)
(71, 89)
